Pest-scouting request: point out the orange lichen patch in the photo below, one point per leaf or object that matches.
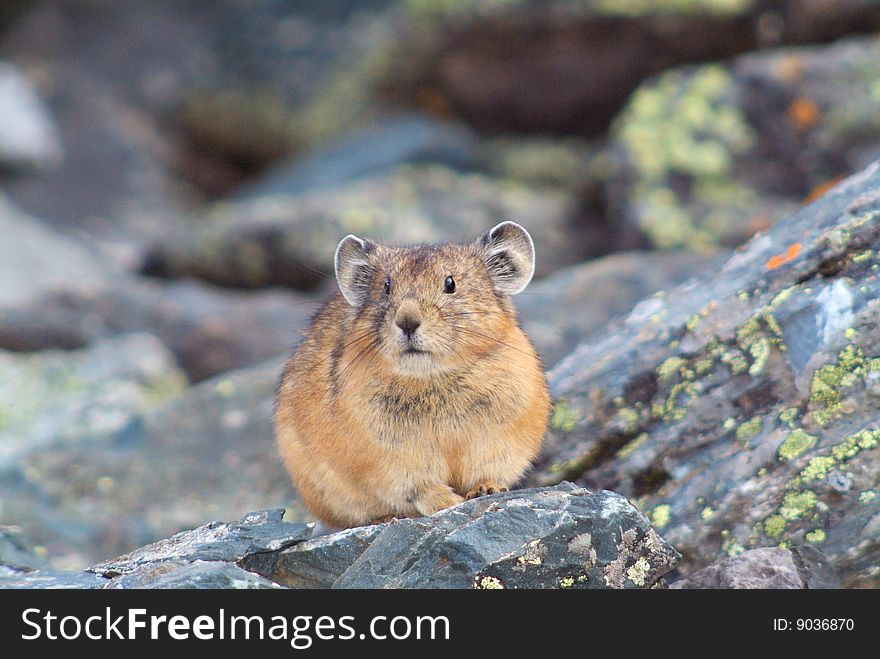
(781, 259)
(821, 189)
(804, 113)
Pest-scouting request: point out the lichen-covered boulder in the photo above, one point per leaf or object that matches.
(290, 239)
(741, 410)
(710, 155)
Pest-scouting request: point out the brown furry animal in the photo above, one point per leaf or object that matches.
(415, 387)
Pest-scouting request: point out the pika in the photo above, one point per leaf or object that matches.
(414, 388)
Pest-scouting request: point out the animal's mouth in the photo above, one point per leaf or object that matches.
(414, 351)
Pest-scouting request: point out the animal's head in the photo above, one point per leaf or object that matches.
(433, 308)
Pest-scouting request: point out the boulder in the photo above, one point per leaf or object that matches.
(709, 155)
(36, 260)
(561, 537)
(29, 139)
(740, 410)
(85, 493)
(801, 567)
(290, 240)
(573, 304)
(209, 330)
(145, 137)
(567, 67)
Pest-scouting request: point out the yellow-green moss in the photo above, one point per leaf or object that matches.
(566, 582)
(867, 496)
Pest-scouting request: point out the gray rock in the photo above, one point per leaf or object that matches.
(16, 553)
(228, 542)
(710, 155)
(29, 138)
(569, 306)
(35, 260)
(139, 147)
(317, 562)
(738, 410)
(290, 240)
(563, 537)
(400, 139)
(206, 453)
(560, 537)
(768, 567)
(209, 330)
(50, 579)
(196, 574)
(555, 66)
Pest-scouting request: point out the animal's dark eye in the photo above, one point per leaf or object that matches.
(449, 286)
(387, 285)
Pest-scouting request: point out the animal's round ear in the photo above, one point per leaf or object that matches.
(509, 253)
(354, 269)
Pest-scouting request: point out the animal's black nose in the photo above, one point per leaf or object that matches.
(409, 325)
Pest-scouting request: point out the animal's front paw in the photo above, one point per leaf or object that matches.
(483, 489)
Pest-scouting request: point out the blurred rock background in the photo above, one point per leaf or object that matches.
(174, 178)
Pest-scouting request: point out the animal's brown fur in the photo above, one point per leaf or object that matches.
(369, 431)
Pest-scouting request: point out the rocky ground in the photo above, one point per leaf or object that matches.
(174, 178)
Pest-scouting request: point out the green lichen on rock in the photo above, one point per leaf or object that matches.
(749, 428)
(652, 7)
(829, 382)
(670, 367)
(867, 496)
(816, 536)
(638, 571)
(849, 448)
(660, 515)
(788, 416)
(488, 583)
(796, 444)
(564, 416)
(682, 125)
(818, 468)
(797, 505)
(774, 526)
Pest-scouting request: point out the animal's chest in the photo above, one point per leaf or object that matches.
(448, 406)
